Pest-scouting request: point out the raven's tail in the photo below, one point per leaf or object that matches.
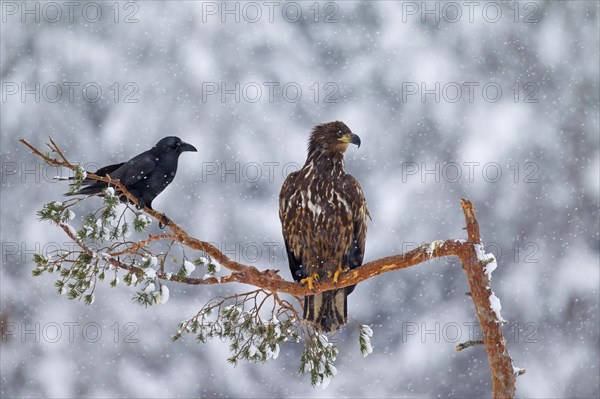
(89, 190)
(327, 310)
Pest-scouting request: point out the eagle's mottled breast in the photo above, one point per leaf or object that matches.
(319, 208)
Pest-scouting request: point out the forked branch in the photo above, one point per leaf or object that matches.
(469, 252)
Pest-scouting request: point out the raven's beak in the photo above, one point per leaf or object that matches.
(187, 147)
(354, 139)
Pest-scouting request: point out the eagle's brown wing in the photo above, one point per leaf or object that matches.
(354, 257)
(288, 220)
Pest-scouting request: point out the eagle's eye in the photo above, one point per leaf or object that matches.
(340, 134)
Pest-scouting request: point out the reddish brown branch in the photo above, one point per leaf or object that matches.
(503, 374)
(468, 344)
(133, 247)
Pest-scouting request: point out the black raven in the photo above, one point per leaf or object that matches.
(145, 175)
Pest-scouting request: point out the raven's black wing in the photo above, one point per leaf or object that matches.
(128, 173)
(135, 169)
(106, 170)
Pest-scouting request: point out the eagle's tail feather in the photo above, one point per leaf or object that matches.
(327, 310)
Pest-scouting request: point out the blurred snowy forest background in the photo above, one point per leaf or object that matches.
(528, 158)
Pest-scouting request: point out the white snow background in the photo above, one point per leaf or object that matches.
(543, 230)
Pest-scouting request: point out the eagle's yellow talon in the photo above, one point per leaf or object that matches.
(310, 281)
(336, 276)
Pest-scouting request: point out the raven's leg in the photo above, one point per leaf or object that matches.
(164, 221)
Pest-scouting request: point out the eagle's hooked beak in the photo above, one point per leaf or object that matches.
(351, 138)
(186, 147)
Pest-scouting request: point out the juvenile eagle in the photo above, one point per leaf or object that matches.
(324, 214)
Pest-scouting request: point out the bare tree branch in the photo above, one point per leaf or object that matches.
(503, 373)
(269, 281)
(468, 344)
